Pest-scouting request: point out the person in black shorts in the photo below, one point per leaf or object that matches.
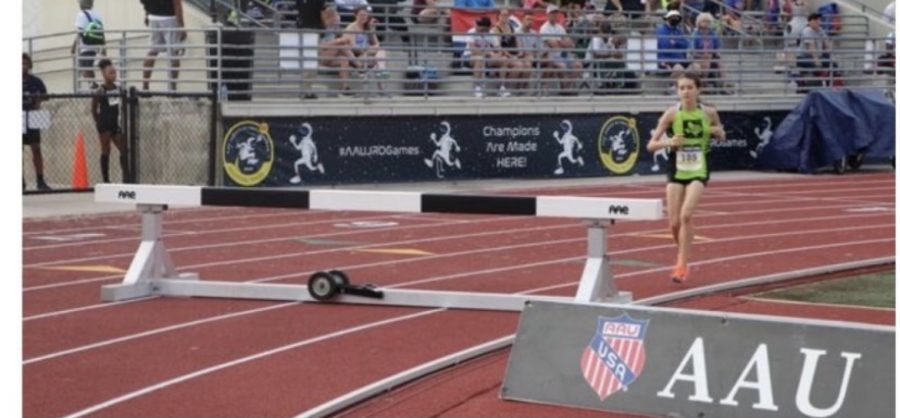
(33, 92)
(105, 109)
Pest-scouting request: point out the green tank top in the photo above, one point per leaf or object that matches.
(690, 159)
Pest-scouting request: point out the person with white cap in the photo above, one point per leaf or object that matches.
(672, 44)
(561, 58)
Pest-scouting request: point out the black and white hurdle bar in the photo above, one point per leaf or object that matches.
(152, 271)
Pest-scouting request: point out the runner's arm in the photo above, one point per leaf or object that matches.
(717, 130)
(665, 121)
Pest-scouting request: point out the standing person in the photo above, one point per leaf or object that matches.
(690, 125)
(90, 39)
(309, 18)
(105, 110)
(166, 19)
(33, 92)
(814, 55)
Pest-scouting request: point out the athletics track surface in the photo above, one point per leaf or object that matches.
(203, 358)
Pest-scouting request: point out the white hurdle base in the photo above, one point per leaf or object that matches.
(152, 273)
(299, 293)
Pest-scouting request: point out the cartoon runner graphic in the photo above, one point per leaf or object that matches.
(660, 152)
(309, 155)
(569, 143)
(764, 137)
(442, 155)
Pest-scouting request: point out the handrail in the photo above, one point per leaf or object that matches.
(742, 71)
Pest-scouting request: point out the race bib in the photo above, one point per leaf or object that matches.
(690, 159)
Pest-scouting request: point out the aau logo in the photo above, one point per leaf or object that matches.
(615, 356)
(619, 144)
(248, 153)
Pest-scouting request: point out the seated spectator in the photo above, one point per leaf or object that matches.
(425, 11)
(482, 52)
(530, 51)
(364, 45)
(334, 48)
(347, 8)
(581, 27)
(813, 55)
(606, 56)
(672, 45)
(732, 16)
(561, 61)
(706, 44)
(509, 48)
(633, 9)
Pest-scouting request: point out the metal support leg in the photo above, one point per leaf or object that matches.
(151, 261)
(597, 281)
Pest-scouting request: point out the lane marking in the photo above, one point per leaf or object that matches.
(359, 328)
(396, 251)
(93, 269)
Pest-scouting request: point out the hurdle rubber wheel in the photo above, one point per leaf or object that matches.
(322, 286)
(341, 278)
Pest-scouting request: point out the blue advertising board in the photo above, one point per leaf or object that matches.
(286, 151)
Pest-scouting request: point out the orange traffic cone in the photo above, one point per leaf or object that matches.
(79, 168)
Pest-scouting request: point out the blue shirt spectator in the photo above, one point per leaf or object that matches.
(474, 4)
(671, 43)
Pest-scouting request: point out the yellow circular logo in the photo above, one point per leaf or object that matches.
(619, 144)
(248, 153)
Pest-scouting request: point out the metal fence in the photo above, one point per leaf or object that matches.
(424, 60)
(168, 138)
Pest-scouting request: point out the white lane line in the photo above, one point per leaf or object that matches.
(310, 341)
(84, 308)
(247, 359)
(264, 241)
(152, 332)
(439, 278)
(837, 306)
(170, 233)
(317, 252)
(722, 259)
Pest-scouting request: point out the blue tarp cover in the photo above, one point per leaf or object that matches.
(830, 125)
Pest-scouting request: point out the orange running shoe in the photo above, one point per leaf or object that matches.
(680, 274)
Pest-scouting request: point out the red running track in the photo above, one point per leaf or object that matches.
(180, 357)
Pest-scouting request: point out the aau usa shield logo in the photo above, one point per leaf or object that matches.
(615, 356)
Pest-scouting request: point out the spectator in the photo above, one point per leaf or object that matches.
(309, 19)
(732, 17)
(90, 40)
(886, 61)
(334, 48)
(33, 93)
(672, 45)
(474, 4)
(364, 45)
(813, 56)
(509, 49)
(166, 19)
(483, 52)
(425, 11)
(561, 58)
(607, 58)
(581, 27)
(530, 51)
(706, 44)
(105, 110)
(347, 8)
(633, 9)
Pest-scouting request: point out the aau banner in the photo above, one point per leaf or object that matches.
(328, 150)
